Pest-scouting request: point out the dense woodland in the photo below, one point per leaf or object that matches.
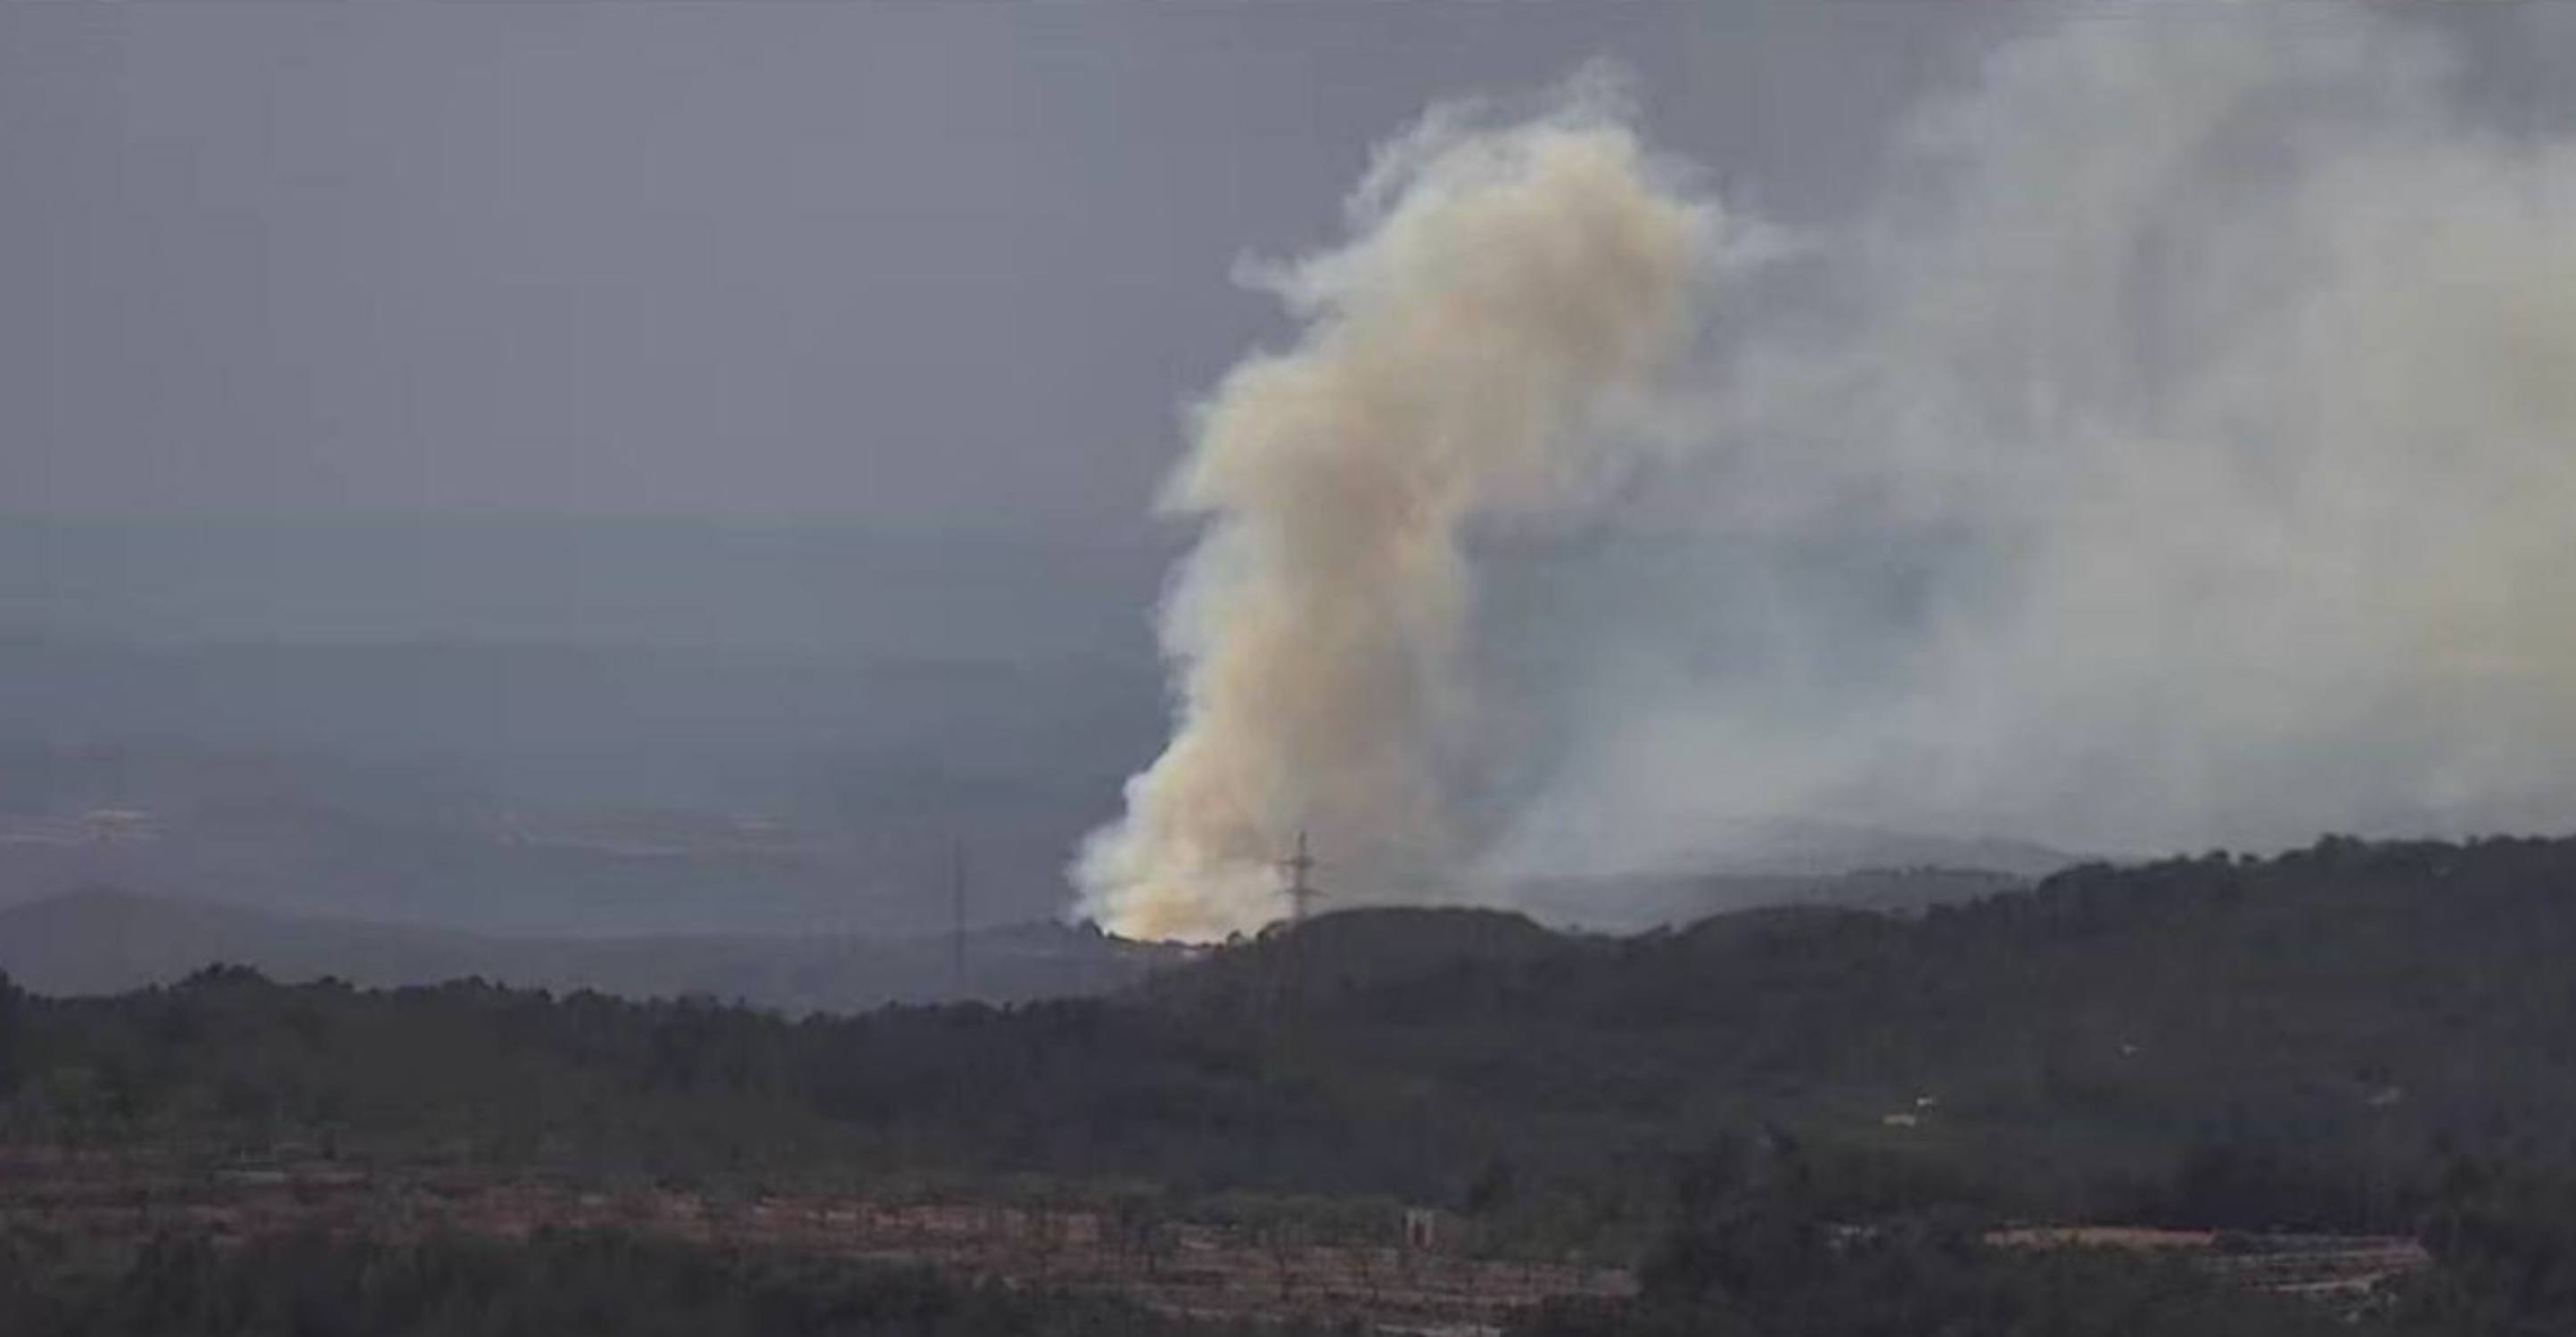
(2359, 1037)
(1770, 1241)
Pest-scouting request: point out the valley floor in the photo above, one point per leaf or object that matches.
(1412, 1280)
(1200, 1269)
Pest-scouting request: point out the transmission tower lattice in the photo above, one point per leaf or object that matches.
(1302, 891)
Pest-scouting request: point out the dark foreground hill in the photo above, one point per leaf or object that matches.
(2326, 1017)
(2354, 1037)
(2306, 1033)
(100, 940)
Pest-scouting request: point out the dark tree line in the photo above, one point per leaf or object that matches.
(2304, 1041)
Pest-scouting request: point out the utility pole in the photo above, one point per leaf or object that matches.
(957, 919)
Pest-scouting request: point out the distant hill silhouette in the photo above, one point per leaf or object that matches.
(1634, 903)
(1350, 951)
(1788, 862)
(100, 940)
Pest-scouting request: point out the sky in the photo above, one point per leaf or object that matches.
(914, 266)
(2117, 424)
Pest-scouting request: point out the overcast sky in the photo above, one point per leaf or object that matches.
(916, 265)
(960, 268)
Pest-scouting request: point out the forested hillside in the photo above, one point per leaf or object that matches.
(2338, 1018)
(2341, 1038)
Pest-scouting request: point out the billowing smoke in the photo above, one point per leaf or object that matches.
(1509, 291)
(2177, 449)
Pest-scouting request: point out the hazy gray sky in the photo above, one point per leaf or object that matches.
(2054, 275)
(902, 264)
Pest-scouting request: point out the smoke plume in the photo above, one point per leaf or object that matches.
(2176, 449)
(2179, 451)
(1466, 355)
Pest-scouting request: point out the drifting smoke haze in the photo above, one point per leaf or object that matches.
(2179, 450)
(2195, 416)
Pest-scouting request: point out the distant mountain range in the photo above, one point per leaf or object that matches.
(1792, 862)
(100, 940)
(866, 852)
(1636, 904)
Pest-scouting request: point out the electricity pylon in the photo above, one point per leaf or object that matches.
(1302, 891)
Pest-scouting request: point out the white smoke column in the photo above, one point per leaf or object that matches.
(1506, 290)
